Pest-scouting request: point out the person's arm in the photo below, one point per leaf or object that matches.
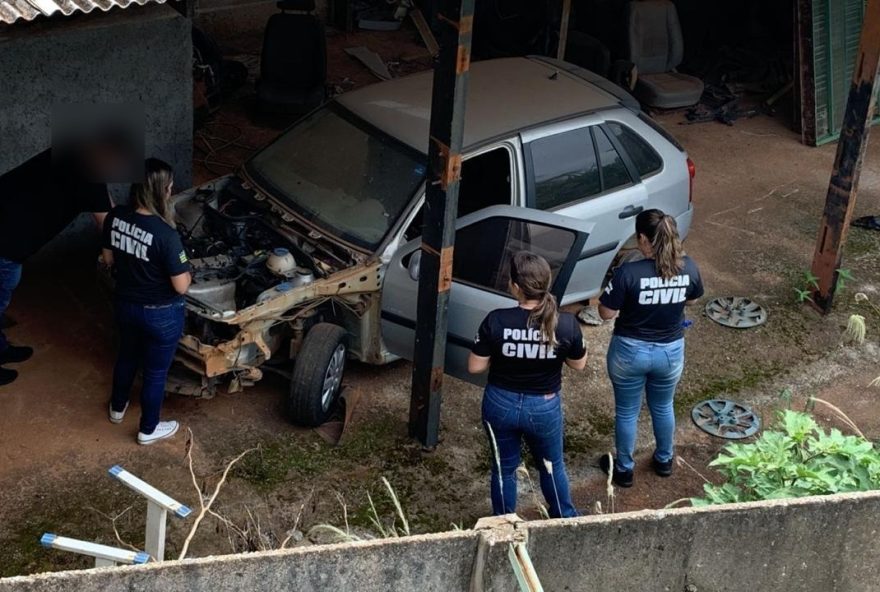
(181, 282)
(578, 364)
(576, 357)
(99, 218)
(481, 350)
(107, 255)
(606, 314)
(478, 364)
(695, 289)
(611, 300)
(177, 263)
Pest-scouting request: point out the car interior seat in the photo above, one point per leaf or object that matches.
(293, 64)
(656, 48)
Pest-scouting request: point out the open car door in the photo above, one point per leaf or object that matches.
(484, 243)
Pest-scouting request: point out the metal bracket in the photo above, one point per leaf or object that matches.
(158, 506)
(104, 556)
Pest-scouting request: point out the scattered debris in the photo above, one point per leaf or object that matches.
(589, 316)
(736, 312)
(371, 60)
(867, 222)
(726, 419)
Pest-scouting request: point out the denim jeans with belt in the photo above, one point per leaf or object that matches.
(513, 416)
(148, 336)
(641, 367)
(10, 275)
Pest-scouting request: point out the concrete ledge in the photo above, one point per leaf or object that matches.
(820, 544)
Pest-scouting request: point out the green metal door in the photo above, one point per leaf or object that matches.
(837, 25)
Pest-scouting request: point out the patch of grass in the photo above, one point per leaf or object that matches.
(307, 456)
(720, 386)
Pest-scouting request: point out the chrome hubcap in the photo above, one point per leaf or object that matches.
(333, 376)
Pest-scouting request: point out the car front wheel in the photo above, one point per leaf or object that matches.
(317, 375)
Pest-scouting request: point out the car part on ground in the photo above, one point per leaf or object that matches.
(726, 419)
(736, 311)
(317, 375)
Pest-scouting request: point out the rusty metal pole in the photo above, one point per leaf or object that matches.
(563, 29)
(456, 18)
(843, 188)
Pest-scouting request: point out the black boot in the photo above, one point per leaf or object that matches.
(15, 354)
(619, 478)
(7, 376)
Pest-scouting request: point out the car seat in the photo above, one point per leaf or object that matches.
(656, 48)
(293, 65)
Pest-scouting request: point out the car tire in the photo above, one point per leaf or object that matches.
(317, 375)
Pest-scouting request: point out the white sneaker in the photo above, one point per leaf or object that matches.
(164, 429)
(117, 416)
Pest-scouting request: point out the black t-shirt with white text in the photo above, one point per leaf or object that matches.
(146, 253)
(521, 360)
(651, 308)
(39, 199)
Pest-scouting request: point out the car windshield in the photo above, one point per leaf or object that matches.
(341, 174)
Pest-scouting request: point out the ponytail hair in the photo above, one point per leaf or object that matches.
(152, 193)
(531, 273)
(662, 231)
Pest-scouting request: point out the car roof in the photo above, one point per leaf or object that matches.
(504, 96)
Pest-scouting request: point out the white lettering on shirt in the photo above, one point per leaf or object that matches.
(526, 344)
(130, 238)
(658, 290)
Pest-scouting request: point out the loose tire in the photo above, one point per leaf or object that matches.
(317, 375)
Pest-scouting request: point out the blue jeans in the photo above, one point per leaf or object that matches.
(636, 367)
(10, 275)
(537, 418)
(148, 338)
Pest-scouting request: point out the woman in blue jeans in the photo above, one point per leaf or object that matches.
(151, 270)
(523, 348)
(646, 355)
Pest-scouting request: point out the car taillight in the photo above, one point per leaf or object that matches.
(692, 172)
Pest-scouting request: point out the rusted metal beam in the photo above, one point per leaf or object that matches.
(455, 18)
(843, 188)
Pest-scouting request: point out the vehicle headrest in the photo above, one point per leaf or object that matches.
(303, 5)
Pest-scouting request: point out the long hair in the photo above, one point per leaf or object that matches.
(662, 230)
(532, 274)
(151, 194)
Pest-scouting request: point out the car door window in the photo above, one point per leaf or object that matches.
(484, 250)
(485, 181)
(564, 168)
(643, 156)
(614, 172)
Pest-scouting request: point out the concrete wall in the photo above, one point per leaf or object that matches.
(140, 54)
(809, 545)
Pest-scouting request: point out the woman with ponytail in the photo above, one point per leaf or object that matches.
(523, 348)
(646, 355)
(151, 270)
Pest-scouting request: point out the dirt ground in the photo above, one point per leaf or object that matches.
(759, 196)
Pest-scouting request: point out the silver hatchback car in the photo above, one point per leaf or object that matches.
(310, 252)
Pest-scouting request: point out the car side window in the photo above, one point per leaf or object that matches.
(564, 168)
(485, 181)
(486, 247)
(614, 171)
(644, 157)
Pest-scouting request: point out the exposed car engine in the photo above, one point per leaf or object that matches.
(238, 256)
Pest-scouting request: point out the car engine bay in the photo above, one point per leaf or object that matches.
(240, 252)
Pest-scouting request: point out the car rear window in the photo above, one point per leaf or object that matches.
(565, 168)
(660, 130)
(614, 172)
(644, 157)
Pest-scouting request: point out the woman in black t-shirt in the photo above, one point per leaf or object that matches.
(523, 348)
(646, 355)
(152, 274)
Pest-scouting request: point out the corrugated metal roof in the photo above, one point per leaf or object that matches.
(13, 10)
